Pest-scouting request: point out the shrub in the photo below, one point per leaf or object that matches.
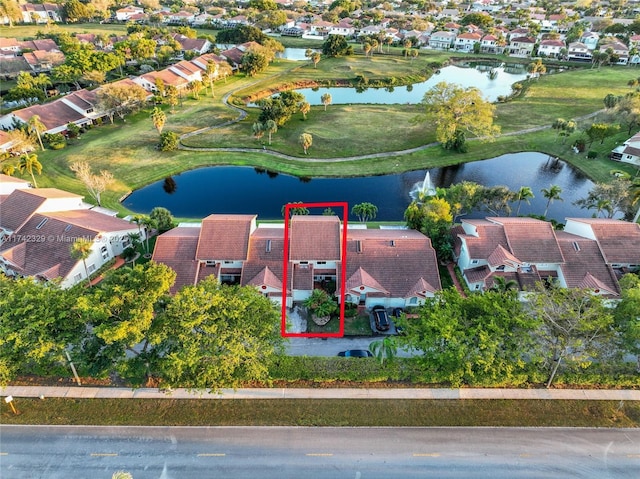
(169, 141)
(592, 154)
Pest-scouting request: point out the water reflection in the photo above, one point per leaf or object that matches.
(244, 190)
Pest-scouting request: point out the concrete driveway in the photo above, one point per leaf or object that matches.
(332, 346)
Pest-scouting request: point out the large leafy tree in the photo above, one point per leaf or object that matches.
(215, 336)
(483, 338)
(306, 140)
(159, 118)
(611, 198)
(336, 46)
(37, 323)
(280, 108)
(11, 10)
(455, 111)
(433, 218)
(121, 310)
(576, 326)
(627, 314)
(121, 99)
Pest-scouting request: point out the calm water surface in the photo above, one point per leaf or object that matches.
(242, 190)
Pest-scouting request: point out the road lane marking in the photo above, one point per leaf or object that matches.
(319, 454)
(427, 454)
(212, 454)
(101, 454)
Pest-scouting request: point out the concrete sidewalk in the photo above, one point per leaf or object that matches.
(335, 393)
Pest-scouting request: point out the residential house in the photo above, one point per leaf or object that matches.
(234, 55)
(40, 61)
(528, 251)
(578, 51)
(466, 41)
(442, 40)
(628, 152)
(77, 107)
(125, 14)
(521, 46)
(590, 39)
(617, 47)
(40, 13)
(492, 44)
(9, 46)
(551, 48)
(148, 81)
(187, 70)
(394, 267)
(197, 45)
(38, 227)
(8, 184)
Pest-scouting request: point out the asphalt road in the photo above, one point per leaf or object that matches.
(51, 452)
(331, 346)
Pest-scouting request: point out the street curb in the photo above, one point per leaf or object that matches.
(322, 393)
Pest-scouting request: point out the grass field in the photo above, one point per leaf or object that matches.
(334, 412)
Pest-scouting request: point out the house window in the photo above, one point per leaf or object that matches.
(228, 262)
(77, 277)
(90, 110)
(474, 261)
(126, 242)
(91, 268)
(268, 246)
(413, 300)
(104, 252)
(42, 223)
(321, 262)
(304, 262)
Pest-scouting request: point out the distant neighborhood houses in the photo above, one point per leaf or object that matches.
(82, 107)
(39, 225)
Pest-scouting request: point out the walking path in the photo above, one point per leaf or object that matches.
(320, 393)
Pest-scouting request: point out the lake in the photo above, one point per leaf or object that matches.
(243, 190)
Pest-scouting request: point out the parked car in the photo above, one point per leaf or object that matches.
(356, 353)
(381, 318)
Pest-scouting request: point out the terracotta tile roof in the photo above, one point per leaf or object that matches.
(314, 238)
(490, 235)
(9, 42)
(531, 240)
(266, 277)
(225, 237)
(6, 178)
(45, 44)
(302, 277)
(400, 261)
(501, 256)
(92, 220)
(619, 240)
(266, 250)
(585, 266)
(52, 115)
(49, 258)
(167, 76)
(177, 249)
(477, 274)
(363, 279)
(18, 208)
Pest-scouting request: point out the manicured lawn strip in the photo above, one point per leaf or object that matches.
(333, 412)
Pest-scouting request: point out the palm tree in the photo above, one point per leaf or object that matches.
(552, 193)
(272, 127)
(148, 223)
(524, 194)
(159, 118)
(306, 140)
(81, 250)
(8, 170)
(502, 285)
(30, 163)
(326, 100)
(211, 73)
(365, 211)
(384, 349)
(366, 48)
(305, 108)
(36, 126)
(121, 475)
(258, 130)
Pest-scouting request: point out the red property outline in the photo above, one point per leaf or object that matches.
(343, 268)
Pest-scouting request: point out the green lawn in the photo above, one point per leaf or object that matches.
(334, 412)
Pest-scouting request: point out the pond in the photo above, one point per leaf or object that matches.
(243, 190)
(491, 88)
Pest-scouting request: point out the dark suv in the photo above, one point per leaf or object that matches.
(381, 318)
